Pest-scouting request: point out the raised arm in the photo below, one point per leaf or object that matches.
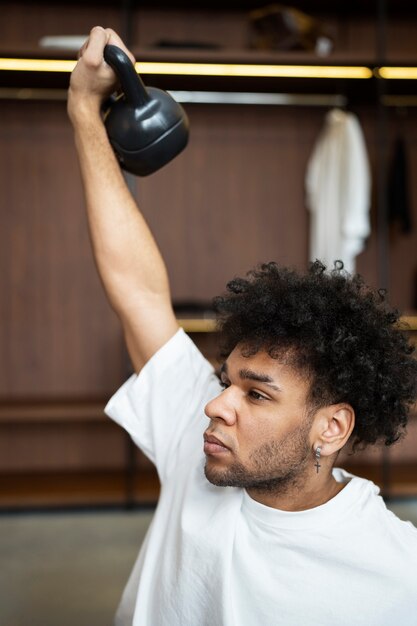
(129, 262)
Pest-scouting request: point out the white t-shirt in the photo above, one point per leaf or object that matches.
(215, 557)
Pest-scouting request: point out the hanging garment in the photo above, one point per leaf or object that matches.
(338, 186)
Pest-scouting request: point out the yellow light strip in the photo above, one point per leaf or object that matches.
(410, 321)
(198, 325)
(201, 69)
(262, 71)
(401, 73)
(36, 65)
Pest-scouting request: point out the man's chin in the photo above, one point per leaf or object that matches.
(214, 476)
(237, 476)
(223, 477)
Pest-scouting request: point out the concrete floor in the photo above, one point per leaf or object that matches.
(66, 569)
(69, 568)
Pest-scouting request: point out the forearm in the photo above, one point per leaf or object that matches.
(127, 257)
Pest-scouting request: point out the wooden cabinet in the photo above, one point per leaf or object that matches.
(234, 198)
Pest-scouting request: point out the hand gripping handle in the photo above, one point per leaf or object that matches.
(131, 83)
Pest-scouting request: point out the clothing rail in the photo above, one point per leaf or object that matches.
(399, 101)
(198, 97)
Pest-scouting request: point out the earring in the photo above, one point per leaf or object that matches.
(317, 454)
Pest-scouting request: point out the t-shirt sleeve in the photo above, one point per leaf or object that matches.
(162, 408)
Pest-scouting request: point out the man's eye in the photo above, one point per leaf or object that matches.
(256, 396)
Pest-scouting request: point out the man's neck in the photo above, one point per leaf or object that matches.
(301, 495)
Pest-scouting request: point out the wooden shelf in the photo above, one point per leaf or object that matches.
(207, 325)
(78, 489)
(401, 479)
(23, 412)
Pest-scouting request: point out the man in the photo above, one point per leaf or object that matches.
(257, 528)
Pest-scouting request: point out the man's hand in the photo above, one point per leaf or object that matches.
(92, 80)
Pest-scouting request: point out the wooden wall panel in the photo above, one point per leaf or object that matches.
(23, 24)
(233, 199)
(236, 196)
(400, 42)
(62, 447)
(354, 36)
(367, 261)
(152, 25)
(58, 334)
(403, 246)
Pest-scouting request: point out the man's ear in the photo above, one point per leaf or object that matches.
(334, 425)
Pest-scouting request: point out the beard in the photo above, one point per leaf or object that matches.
(274, 467)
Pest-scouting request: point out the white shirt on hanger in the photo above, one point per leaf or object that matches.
(338, 186)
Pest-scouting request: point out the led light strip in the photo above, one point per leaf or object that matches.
(410, 322)
(201, 69)
(225, 69)
(396, 73)
(262, 71)
(36, 65)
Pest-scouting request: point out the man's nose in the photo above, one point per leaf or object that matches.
(222, 407)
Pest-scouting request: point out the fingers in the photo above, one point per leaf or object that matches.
(115, 40)
(92, 50)
(82, 49)
(99, 37)
(93, 79)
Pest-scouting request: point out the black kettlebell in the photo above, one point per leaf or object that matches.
(146, 126)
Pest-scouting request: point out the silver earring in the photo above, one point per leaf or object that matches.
(317, 453)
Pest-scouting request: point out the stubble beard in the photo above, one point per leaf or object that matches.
(274, 468)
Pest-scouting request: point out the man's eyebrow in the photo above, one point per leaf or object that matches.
(247, 374)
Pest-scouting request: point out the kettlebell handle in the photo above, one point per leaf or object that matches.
(130, 81)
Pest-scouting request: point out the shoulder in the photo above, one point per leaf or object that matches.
(372, 510)
(397, 537)
(401, 529)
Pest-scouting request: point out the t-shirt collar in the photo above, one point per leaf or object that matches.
(355, 491)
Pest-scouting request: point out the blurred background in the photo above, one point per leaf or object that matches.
(72, 486)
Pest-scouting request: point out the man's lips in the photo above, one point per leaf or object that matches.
(212, 445)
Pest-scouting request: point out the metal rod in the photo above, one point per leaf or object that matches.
(198, 97)
(399, 101)
(254, 98)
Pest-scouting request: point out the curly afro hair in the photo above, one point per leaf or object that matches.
(333, 329)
